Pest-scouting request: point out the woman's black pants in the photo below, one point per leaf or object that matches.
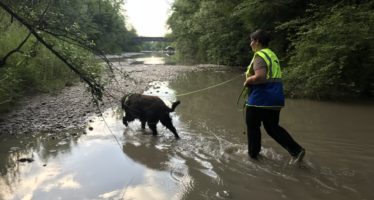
(270, 120)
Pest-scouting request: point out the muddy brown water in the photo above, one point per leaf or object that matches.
(210, 160)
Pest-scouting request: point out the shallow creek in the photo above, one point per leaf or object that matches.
(210, 161)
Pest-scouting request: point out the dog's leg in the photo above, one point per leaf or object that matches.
(124, 121)
(143, 124)
(167, 122)
(153, 127)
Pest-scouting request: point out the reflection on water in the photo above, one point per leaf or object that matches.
(91, 166)
(337, 137)
(153, 60)
(144, 58)
(210, 160)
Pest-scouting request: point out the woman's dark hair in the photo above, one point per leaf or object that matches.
(262, 36)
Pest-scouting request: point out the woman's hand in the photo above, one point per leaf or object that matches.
(247, 82)
(258, 78)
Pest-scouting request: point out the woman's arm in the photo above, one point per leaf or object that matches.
(260, 69)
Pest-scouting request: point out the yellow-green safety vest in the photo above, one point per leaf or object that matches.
(272, 63)
(270, 93)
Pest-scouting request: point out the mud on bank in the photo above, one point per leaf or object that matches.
(70, 108)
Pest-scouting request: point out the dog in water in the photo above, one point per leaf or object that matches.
(148, 109)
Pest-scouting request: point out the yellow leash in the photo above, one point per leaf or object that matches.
(243, 92)
(210, 87)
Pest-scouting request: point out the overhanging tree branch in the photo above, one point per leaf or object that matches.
(95, 87)
(79, 42)
(3, 61)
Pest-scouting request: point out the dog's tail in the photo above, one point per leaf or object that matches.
(174, 105)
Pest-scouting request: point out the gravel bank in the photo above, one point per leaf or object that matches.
(70, 109)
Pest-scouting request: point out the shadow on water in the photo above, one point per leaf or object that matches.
(210, 160)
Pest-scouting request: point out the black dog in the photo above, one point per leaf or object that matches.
(148, 109)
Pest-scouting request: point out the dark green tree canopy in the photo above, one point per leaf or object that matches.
(325, 47)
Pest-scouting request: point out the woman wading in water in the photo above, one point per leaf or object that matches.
(265, 99)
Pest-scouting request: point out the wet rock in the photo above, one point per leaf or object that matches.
(29, 160)
(12, 149)
(223, 194)
(61, 143)
(59, 126)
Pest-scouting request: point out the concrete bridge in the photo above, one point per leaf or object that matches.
(150, 39)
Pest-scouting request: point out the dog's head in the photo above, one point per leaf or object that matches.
(124, 104)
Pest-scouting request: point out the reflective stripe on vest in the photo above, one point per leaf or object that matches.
(272, 63)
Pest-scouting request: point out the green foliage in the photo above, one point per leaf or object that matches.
(34, 69)
(66, 33)
(184, 35)
(325, 46)
(107, 27)
(218, 32)
(206, 31)
(333, 54)
(99, 21)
